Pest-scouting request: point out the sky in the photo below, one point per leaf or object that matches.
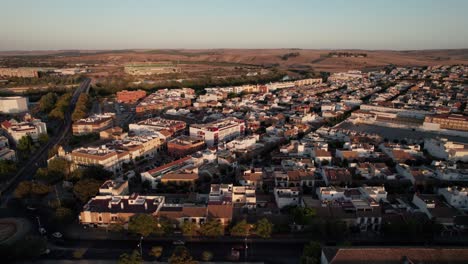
(209, 24)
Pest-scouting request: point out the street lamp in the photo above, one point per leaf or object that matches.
(139, 245)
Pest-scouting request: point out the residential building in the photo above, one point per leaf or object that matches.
(446, 121)
(32, 127)
(393, 255)
(158, 124)
(456, 197)
(287, 196)
(114, 188)
(104, 210)
(93, 124)
(128, 97)
(448, 150)
(13, 104)
(218, 131)
(184, 145)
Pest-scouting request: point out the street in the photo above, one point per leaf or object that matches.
(40, 156)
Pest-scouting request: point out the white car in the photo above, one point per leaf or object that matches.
(42, 231)
(178, 242)
(57, 235)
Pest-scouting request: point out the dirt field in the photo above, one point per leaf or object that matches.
(309, 60)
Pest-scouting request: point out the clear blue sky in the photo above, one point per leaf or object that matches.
(330, 24)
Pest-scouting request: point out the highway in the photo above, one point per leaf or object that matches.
(28, 170)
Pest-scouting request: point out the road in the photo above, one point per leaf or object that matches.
(39, 158)
(277, 252)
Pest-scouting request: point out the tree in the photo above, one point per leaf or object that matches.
(59, 168)
(264, 228)
(7, 168)
(207, 255)
(212, 228)
(142, 224)
(84, 189)
(63, 215)
(156, 251)
(43, 138)
(241, 229)
(189, 228)
(57, 113)
(23, 189)
(81, 107)
(133, 258)
(303, 216)
(26, 188)
(311, 253)
(25, 144)
(47, 102)
(181, 256)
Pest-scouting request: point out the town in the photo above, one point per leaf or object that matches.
(350, 158)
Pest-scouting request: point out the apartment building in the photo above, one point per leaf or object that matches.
(128, 97)
(165, 98)
(93, 124)
(110, 159)
(287, 196)
(456, 197)
(218, 131)
(5, 152)
(20, 72)
(446, 121)
(445, 149)
(158, 124)
(31, 127)
(104, 210)
(114, 188)
(184, 145)
(239, 196)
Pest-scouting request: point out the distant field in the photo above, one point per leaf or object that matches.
(317, 60)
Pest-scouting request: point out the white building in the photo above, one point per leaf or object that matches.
(447, 150)
(5, 152)
(287, 196)
(17, 130)
(218, 131)
(456, 197)
(13, 104)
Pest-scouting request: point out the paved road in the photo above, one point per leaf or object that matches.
(278, 252)
(40, 156)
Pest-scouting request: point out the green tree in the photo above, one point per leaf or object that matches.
(142, 224)
(25, 144)
(59, 168)
(181, 256)
(7, 168)
(156, 251)
(311, 253)
(264, 228)
(23, 189)
(84, 189)
(63, 215)
(26, 189)
(241, 229)
(47, 102)
(133, 258)
(212, 228)
(57, 113)
(189, 228)
(43, 138)
(207, 255)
